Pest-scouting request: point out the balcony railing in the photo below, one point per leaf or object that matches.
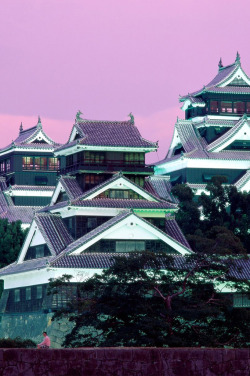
(109, 166)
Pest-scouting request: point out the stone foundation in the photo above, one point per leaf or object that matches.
(125, 362)
(32, 325)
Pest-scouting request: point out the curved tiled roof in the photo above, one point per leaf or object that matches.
(223, 74)
(109, 133)
(161, 187)
(173, 230)
(229, 134)
(243, 180)
(71, 187)
(54, 231)
(120, 203)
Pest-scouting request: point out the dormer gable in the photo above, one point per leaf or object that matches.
(118, 183)
(237, 135)
(126, 227)
(237, 78)
(34, 245)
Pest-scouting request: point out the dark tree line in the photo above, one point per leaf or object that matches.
(216, 223)
(137, 303)
(11, 240)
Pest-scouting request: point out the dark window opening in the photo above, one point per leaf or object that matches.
(214, 106)
(41, 180)
(37, 251)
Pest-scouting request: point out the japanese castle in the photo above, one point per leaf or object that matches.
(28, 174)
(106, 202)
(214, 138)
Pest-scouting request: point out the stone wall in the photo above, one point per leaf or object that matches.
(125, 362)
(31, 326)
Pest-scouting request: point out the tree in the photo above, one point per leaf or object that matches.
(11, 240)
(144, 300)
(225, 223)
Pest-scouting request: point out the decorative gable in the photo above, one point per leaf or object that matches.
(239, 134)
(34, 238)
(125, 227)
(238, 78)
(112, 187)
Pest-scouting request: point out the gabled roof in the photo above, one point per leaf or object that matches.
(54, 231)
(71, 187)
(123, 203)
(229, 135)
(161, 187)
(173, 229)
(108, 134)
(229, 79)
(196, 147)
(25, 214)
(81, 244)
(243, 181)
(121, 180)
(31, 138)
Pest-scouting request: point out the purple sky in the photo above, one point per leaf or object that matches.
(110, 57)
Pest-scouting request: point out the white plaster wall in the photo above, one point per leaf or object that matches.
(129, 231)
(42, 276)
(37, 239)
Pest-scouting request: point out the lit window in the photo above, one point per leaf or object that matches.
(2, 166)
(40, 163)
(248, 107)
(214, 106)
(7, 164)
(226, 107)
(53, 164)
(239, 107)
(28, 163)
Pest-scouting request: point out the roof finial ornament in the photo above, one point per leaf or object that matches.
(21, 127)
(39, 123)
(244, 117)
(78, 116)
(237, 60)
(132, 118)
(220, 65)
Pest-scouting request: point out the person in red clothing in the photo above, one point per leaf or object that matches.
(45, 344)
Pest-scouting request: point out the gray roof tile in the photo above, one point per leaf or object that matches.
(54, 232)
(126, 204)
(109, 133)
(71, 186)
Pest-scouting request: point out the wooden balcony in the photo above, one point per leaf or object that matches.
(108, 166)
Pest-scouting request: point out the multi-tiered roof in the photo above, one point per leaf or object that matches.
(29, 169)
(214, 138)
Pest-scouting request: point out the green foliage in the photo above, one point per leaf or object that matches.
(16, 343)
(225, 224)
(137, 303)
(11, 239)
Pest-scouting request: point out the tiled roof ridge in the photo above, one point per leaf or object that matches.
(217, 80)
(116, 203)
(227, 135)
(44, 232)
(93, 233)
(31, 187)
(115, 177)
(240, 183)
(84, 121)
(181, 238)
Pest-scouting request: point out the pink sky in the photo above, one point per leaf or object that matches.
(111, 57)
